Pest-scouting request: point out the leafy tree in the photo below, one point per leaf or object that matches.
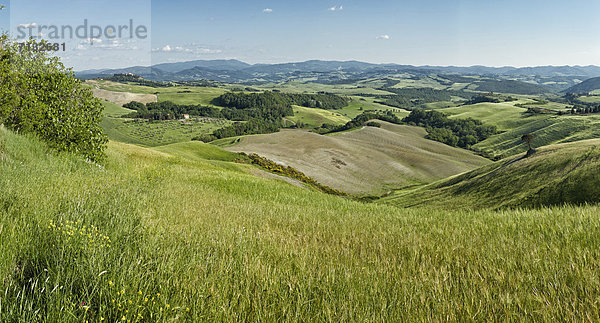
(39, 95)
(528, 138)
(443, 135)
(134, 105)
(373, 124)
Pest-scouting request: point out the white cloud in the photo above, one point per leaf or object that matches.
(91, 41)
(334, 8)
(108, 44)
(267, 10)
(192, 50)
(208, 51)
(30, 25)
(386, 37)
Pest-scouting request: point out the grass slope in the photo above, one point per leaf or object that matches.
(156, 237)
(565, 173)
(158, 133)
(504, 116)
(365, 161)
(313, 118)
(179, 94)
(358, 105)
(511, 86)
(547, 130)
(198, 151)
(586, 86)
(153, 133)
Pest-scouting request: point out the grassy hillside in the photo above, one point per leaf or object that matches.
(156, 237)
(365, 161)
(547, 130)
(179, 94)
(504, 116)
(586, 86)
(157, 133)
(511, 86)
(313, 118)
(113, 110)
(153, 133)
(198, 151)
(565, 173)
(360, 104)
(589, 99)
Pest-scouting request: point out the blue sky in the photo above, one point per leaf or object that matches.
(419, 32)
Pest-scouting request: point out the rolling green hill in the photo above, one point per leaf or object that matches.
(586, 86)
(554, 175)
(504, 116)
(546, 129)
(151, 134)
(364, 161)
(511, 86)
(313, 117)
(178, 94)
(167, 237)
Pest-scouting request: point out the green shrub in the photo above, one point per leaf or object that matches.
(373, 124)
(39, 95)
(205, 138)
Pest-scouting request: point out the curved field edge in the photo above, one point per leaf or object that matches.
(210, 242)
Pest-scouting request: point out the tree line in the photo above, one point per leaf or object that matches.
(359, 121)
(582, 109)
(266, 99)
(252, 127)
(168, 110)
(407, 98)
(135, 79)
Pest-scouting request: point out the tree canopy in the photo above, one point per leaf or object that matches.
(39, 95)
(453, 132)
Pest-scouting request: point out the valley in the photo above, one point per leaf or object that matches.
(299, 161)
(179, 218)
(366, 161)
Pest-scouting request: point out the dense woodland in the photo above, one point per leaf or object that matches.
(408, 98)
(167, 110)
(454, 132)
(270, 99)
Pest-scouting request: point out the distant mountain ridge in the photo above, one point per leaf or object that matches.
(237, 71)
